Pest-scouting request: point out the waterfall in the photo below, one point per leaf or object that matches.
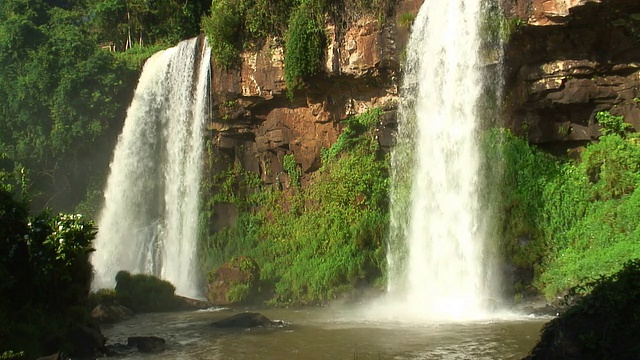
(437, 260)
(149, 221)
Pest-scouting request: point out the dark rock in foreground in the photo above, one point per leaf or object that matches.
(85, 342)
(546, 310)
(601, 325)
(247, 320)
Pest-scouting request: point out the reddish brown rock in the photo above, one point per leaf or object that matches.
(233, 282)
(255, 125)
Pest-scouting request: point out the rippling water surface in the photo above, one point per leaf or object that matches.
(326, 333)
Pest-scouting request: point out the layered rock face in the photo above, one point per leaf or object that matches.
(565, 61)
(568, 60)
(254, 123)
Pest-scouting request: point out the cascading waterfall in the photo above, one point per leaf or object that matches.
(438, 268)
(149, 220)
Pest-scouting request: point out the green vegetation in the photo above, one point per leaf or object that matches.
(350, 136)
(64, 90)
(144, 293)
(291, 168)
(611, 124)
(496, 27)
(239, 293)
(46, 275)
(312, 243)
(63, 95)
(304, 46)
(123, 24)
(577, 218)
(222, 29)
(405, 20)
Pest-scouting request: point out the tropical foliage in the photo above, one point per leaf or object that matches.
(46, 275)
(312, 243)
(570, 221)
(64, 96)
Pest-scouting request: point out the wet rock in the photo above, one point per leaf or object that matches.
(147, 344)
(247, 320)
(185, 303)
(546, 310)
(118, 350)
(111, 313)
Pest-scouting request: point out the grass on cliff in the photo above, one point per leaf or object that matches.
(311, 243)
(569, 221)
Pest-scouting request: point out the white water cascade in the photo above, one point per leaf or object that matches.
(437, 261)
(149, 221)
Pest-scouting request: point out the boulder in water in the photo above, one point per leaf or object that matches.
(111, 313)
(247, 320)
(185, 303)
(147, 344)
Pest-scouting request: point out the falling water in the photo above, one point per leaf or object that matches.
(149, 220)
(436, 257)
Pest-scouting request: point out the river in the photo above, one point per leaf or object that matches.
(327, 333)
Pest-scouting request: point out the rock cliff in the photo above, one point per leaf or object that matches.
(567, 60)
(255, 123)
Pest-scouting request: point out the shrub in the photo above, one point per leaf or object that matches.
(355, 127)
(611, 124)
(291, 168)
(405, 20)
(612, 167)
(222, 27)
(239, 293)
(304, 46)
(325, 238)
(44, 264)
(576, 215)
(145, 293)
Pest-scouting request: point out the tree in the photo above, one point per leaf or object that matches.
(63, 99)
(46, 275)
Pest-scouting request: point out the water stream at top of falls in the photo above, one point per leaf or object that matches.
(149, 221)
(437, 259)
